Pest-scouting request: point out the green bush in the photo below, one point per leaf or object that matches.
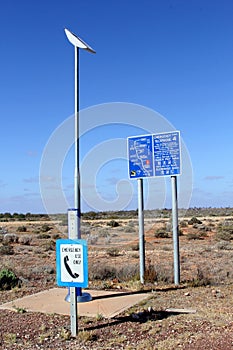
(113, 251)
(49, 245)
(22, 229)
(183, 223)
(196, 235)
(161, 232)
(8, 280)
(113, 223)
(45, 228)
(225, 231)
(6, 250)
(194, 220)
(43, 236)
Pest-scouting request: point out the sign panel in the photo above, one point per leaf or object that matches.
(140, 155)
(154, 155)
(167, 153)
(71, 263)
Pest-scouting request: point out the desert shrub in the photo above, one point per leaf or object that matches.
(104, 233)
(183, 223)
(129, 229)
(56, 236)
(202, 279)
(224, 245)
(101, 272)
(135, 247)
(45, 228)
(25, 239)
(192, 236)
(156, 273)
(225, 231)
(196, 235)
(194, 220)
(125, 273)
(128, 272)
(3, 230)
(161, 232)
(224, 235)
(150, 274)
(92, 239)
(164, 274)
(201, 227)
(22, 229)
(6, 250)
(113, 251)
(10, 238)
(43, 236)
(113, 223)
(49, 269)
(131, 223)
(8, 279)
(49, 245)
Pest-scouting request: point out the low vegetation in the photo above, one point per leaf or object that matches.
(28, 265)
(8, 279)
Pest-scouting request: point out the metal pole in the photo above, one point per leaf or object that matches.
(76, 143)
(76, 171)
(175, 230)
(76, 293)
(76, 233)
(73, 311)
(141, 229)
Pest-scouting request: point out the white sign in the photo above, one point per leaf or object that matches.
(71, 263)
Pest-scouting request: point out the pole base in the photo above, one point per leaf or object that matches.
(84, 298)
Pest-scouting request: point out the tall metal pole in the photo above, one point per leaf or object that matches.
(76, 145)
(76, 142)
(75, 233)
(141, 229)
(175, 230)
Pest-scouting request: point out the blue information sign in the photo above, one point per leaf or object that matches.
(167, 153)
(154, 155)
(140, 151)
(71, 263)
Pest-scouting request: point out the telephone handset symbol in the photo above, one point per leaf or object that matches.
(74, 275)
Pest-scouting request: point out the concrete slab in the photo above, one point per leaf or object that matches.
(106, 303)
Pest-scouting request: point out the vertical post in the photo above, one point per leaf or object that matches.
(76, 142)
(175, 230)
(141, 229)
(72, 294)
(73, 311)
(76, 293)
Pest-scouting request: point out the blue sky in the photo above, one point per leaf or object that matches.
(174, 57)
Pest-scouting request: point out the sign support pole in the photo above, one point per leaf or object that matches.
(141, 229)
(76, 293)
(175, 230)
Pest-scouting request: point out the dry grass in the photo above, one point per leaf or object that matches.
(206, 275)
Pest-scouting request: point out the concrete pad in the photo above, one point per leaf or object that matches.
(105, 303)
